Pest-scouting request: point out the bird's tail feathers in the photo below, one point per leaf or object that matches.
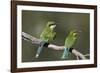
(65, 54)
(39, 51)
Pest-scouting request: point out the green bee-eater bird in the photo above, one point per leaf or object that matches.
(46, 36)
(69, 42)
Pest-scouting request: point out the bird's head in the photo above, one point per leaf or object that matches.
(51, 24)
(73, 34)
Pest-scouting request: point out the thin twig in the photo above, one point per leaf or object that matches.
(77, 57)
(36, 41)
(87, 55)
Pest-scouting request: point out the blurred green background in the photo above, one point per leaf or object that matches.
(33, 22)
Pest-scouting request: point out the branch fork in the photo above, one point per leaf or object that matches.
(37, 41)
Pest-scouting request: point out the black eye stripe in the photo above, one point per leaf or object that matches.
(51, 24)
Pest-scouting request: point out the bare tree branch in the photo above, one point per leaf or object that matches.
(77, 53)
(30, 38)
(36, 41)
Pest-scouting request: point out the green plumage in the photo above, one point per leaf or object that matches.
(70, 39)
(48, 33)
(69, 42)
(46, 36)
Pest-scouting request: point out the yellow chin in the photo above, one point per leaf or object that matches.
(52, 26)
(74, 34)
